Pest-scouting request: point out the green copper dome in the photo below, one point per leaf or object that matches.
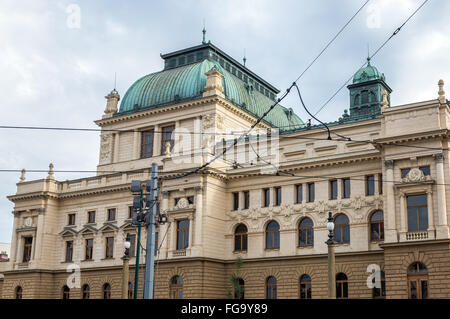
(368, 73)
(186, 82)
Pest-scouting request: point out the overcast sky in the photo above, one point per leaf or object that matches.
(53, 73)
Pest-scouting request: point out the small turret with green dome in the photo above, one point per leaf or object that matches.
(366, 93)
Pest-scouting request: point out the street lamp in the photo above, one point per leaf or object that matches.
(331, 258)
(126, 267)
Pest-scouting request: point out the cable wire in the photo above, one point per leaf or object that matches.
(374, 54)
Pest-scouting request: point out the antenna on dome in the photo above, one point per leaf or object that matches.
(204, 32)
(115, 82)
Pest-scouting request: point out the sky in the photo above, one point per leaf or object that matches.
(58, 60)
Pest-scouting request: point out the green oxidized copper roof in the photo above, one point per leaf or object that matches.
(188, 82)
(367, 73)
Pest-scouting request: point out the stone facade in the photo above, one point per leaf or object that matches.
(411, 137)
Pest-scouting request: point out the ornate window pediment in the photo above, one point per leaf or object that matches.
(68, 232)
(107, 228)
(88, 230)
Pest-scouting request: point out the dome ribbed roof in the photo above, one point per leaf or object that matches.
(188, 82)
(367, 73)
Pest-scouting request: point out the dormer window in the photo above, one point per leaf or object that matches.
(364, 97)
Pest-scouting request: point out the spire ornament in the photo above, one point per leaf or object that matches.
(204, 32)
(441, 92)
(50, 171)
(22, 176)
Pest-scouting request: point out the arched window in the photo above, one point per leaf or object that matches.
(364, 97)
(130, 290)
(356, 102)
(176, 287)
(65, 292)
(305, 287)
(341, 286)
(273, 235)
(240, 238)
(271, 288)
(379, 292)
(418, 281)
(106, 291)
(240, 290)
(341, 229)
(306, 232)
(377, 226)
(18, 292)
(85, 292)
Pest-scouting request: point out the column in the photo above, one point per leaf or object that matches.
(15, 239)
(198, 242)
(116, 148)
(136, 144)
(339, 188)
(430, 214)
(163, 229)
(403, 218)
(442, 230)
(157, 141)
(391, 230)
(191, 233)
(39, 236)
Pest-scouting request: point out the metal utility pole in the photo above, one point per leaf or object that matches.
(150, 221)
(138, 249)
(331, 259)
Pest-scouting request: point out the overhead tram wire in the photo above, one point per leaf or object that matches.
(332, 40)
(374, 54)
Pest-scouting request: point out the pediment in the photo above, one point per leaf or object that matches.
(68, 232)
(88, 230)
(107, 227)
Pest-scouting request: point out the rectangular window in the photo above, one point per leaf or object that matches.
(89, 249)
(417, 213)
(266, 197)
(299, 193)
(370, 185)
(147, 144)
(235, 201)
(277, 196)
(69, 250)
(111, 214)
(425, 170)
(346, 188)
(311, 192)
(405, 172)
(167, 136)
(190, 200)
(91, 217)
(132, 245)
(380, 184)
(71, 219)
(27, 244)
(130, 212)
(333, 189)
(109, 247)
(182, 234)
(246, 200)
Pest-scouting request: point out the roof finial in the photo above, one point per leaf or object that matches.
(204, 32)
(368, 55)
(244, 59)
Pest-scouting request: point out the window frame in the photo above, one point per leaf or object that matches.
(370, 179)
(274, 236)
(308, 229)
(278, 196)
(305, 284)
(108, 214)
(271, 288)
(71, 219)
(380, 227)
(91, 213)
(266, 197)
(246, 199)
(109, 252)
(417, 207)
(344, 228)
(89, 249)
(69, 251)
(311, 198)
(346, 192)
(243, 238)
(184, 232)
(164, 134)
(333, 190)
(176, 287)
(298, 191)
(27, 249)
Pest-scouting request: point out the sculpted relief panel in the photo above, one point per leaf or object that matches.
(106, 145)
(357, 209)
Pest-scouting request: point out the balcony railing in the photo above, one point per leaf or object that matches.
(420, 235)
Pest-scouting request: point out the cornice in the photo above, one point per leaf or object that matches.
(179, 106)
(443, 133)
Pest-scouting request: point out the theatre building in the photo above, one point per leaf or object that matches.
(384, 176)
